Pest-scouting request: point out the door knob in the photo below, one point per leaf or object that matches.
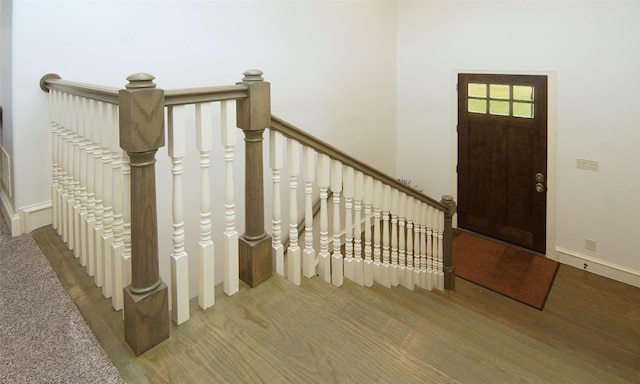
(539, 187)
(539, 177)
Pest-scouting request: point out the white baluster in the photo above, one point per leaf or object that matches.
(358, 268)
(87, 151)
(368, 271)
(230, 255)
(293, 252)
(385, 273)
(53, 111)
(206, 268)
(440, 250)
(324, 261)
(66, 163)
(107, 201)
(179, 259)
(377, 230)
(99, 193)
(419, 247)
(309, 259)
(57, 149)
(426, 264)
(275, 162)
(90, 221)
(393, 268)
(117, 245)
(348, 185)
(337, 267)
(406, 279)
(74, 214)
(80, 204)
(402, 251)
(74, 182)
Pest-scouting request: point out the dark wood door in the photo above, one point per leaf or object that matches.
(502, 157)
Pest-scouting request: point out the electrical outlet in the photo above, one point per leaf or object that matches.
(589, 165)
(590, 244)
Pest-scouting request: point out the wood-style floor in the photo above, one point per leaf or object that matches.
(589, 332)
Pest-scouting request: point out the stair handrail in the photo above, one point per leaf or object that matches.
(52, 81)
(289, 130)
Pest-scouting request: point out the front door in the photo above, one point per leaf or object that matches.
(502, 157)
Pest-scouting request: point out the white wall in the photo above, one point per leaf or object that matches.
(331, 65)
(592, 50)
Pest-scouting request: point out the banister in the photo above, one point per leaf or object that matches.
(289, 130)
(172, 97)
(53, 81)
(205, 94)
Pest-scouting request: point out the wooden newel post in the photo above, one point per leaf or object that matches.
(253, 116)
(146, 307)
(447, 237)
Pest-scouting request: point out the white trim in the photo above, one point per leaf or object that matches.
(551, 146)
(12, 219)
(599, 267)
(36, 216)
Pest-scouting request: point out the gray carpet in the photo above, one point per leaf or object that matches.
(43, 337)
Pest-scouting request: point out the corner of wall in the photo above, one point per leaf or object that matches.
(12, 219)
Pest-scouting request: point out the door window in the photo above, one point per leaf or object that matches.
(501, 99)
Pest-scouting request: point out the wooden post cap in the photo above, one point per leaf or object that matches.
(140, 80)
(253, 75)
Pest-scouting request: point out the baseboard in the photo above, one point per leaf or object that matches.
(12, 219)
(600, 267)
(36, 216)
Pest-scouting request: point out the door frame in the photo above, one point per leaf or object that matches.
(551, 147)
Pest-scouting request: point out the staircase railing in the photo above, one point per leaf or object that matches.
(104, 142)
(406, 234)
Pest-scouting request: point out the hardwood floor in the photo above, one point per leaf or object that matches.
(589, 332)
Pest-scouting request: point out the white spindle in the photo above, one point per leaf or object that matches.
(107, 201)
(419, 247)
(293, 252)
(402, 251)
(406, 279)
(337, 266)
(393, 268)
(324, 261)
(358, 191)
(117, 245)
(309, 260)
(230, 256)
(99, 193)
(275, 162)
(179, 258)
(74, 213)
(439, 284)
(66, 164)
(87, 151)
(426, 264)
(57, 150)
(377, 235)
(348, 186)
(385, 273)
(92, 154)
(206, 269)
(368, 272)
(53, 110)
